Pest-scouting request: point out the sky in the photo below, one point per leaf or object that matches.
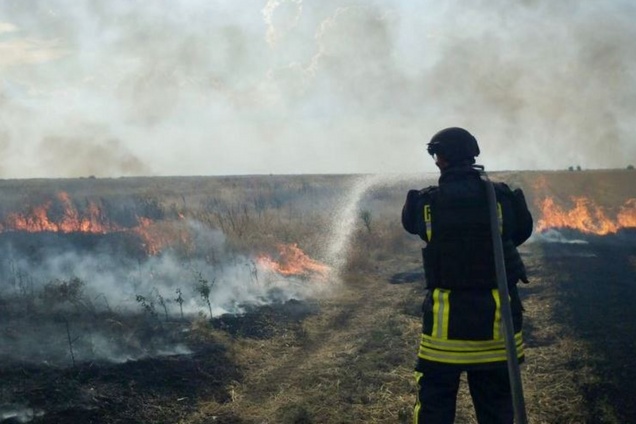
(223, 87)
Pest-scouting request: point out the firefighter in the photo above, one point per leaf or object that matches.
(462, 327)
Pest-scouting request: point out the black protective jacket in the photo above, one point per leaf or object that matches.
(462, 206)
(462, 319)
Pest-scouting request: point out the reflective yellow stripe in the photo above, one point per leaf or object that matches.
(436, 320)
(500, 217)
(427, 220)
(468, 355)
(497, 334)
(441, 346)
(466, 343)
(441, 312)
(449, 358)
(418, 405)
(466, 351)
(445, 313)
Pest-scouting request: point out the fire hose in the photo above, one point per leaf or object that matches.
(514, 372)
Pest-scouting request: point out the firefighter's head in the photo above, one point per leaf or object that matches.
(452, 147)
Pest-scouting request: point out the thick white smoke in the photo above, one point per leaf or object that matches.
(121, 87)
(114, 281)
(37, 298)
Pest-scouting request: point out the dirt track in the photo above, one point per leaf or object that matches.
(355, 363)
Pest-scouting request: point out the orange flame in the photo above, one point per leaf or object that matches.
(586, 216)
(292, 261)
(154, 237)
(157, 236)
(71, 221)
(627, 215)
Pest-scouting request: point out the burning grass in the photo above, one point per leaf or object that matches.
(586, 217)
(292, 261)
(61, 215)
(346, 357)
(102, 300)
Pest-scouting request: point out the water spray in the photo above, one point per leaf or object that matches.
(344, 222)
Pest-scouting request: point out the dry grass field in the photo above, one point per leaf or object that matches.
(341, 354)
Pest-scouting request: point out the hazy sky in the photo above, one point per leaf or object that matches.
(182, 87)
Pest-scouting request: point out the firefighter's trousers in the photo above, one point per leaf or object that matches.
(437, 395)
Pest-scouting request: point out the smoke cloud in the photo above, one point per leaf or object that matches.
(235, 280)
(92, 154)
(101, 294)
(288, 86)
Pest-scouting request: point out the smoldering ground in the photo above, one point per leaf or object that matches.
(67, 303)
(292, 86)
(121, 304)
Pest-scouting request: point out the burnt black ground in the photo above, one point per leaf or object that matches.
(149, 390)
(267, 321)
(159, 389)
(596, 299)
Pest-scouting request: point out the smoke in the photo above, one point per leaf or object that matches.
(286, 86)
(235, 280)
(18, 413)
(89, 155)
(102, 295)
(554, 236)
(281, 17)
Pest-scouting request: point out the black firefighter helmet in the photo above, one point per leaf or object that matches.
(455, 145)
